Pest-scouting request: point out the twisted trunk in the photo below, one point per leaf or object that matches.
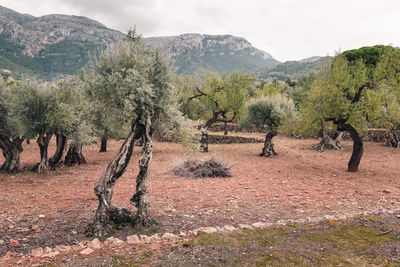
(204, 140)
(106, 213)
(358, 147)
(393, 140)
(268, 149)
(74, 156)
(225, 128)
(61, 151)
(139, 199)
(329, 140)
(12, 150)
(43, 143)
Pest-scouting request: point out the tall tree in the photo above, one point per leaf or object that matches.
(347, 95)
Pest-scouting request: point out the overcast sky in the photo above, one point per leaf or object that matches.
(287, 29)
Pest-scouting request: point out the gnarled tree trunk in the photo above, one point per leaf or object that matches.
(12, 150)
(268, 149)
(103, 145)
(43, 143)
(74, 156)
(225, 128)
(393, 140)
(139, 199)
(358, 147)
(61, 151)
(204, 140)
(329, 140)
(106, 213)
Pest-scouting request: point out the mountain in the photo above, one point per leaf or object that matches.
(50, 46)
(53, 46)
(196, 53)
(294, 69)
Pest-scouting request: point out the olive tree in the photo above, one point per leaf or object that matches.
(217, 99)
(12, 131)
(348, 95)
(269, 112)
(143, 86)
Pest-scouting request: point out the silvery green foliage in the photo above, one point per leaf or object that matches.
(269, 111)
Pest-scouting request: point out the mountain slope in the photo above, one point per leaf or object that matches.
(50, 46)
(196, 53)
(294, 69)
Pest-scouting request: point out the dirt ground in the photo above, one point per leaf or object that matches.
(299, 183)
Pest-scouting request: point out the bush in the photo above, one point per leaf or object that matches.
(203, 168)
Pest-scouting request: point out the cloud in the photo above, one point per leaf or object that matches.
(288, 29)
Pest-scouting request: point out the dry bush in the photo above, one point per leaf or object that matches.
(212, 167)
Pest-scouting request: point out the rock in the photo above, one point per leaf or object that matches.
(74, 232)
(95, 243)
(208, 230)
(259, 225)
(63, 249)
(246, 226)
(169, 236)
(386, 191)
(330, 217)
(75, 247)
(109, 241)
(47, 250)
(155, 238)
(182, 234)
(1, 242)
(133, 240)
(50, 253)
(6, 257)
(83, 243)
(41, 216)
(37, 252)
(229, 228)
(35, 227)
(118, 241)
(144, 238)
(14, 243)
(87, 251)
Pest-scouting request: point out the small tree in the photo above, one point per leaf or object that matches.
(218, 99)
(269, 112)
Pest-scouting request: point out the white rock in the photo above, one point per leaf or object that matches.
(144, 238)
(41, 216)
(87, 251)
(95, 244)
(109, 241)
(63, 249)
(329, 217)
(37, 252)
(118, 241)
(259, 225)
(246, 226)
(182, 234)
(83, 244)
(169, 236)
(229, 228)
(133, 239)
(208, 230)
(50, 253)
(155, 238)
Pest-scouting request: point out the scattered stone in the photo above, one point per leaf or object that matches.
(11, 226)
(87, 251)
(63, 249)
(75, 247)
(133, 240)
(118, 241)
(47, 250)
(14, 243)
(155, 238)
(83, 243)
(51, 253)
(37, 252)
(259, 225)
(74, 232)
(35, 227)
(95, 243)
(6, 257)
(41, 216)
(386, 191)
(246, 226)
(144, 238)
(208, 230)
(1, 242)
(229, 228)
(109, 241)
(169, 236)
(329, 217)
(280, 222)
(182, 234)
